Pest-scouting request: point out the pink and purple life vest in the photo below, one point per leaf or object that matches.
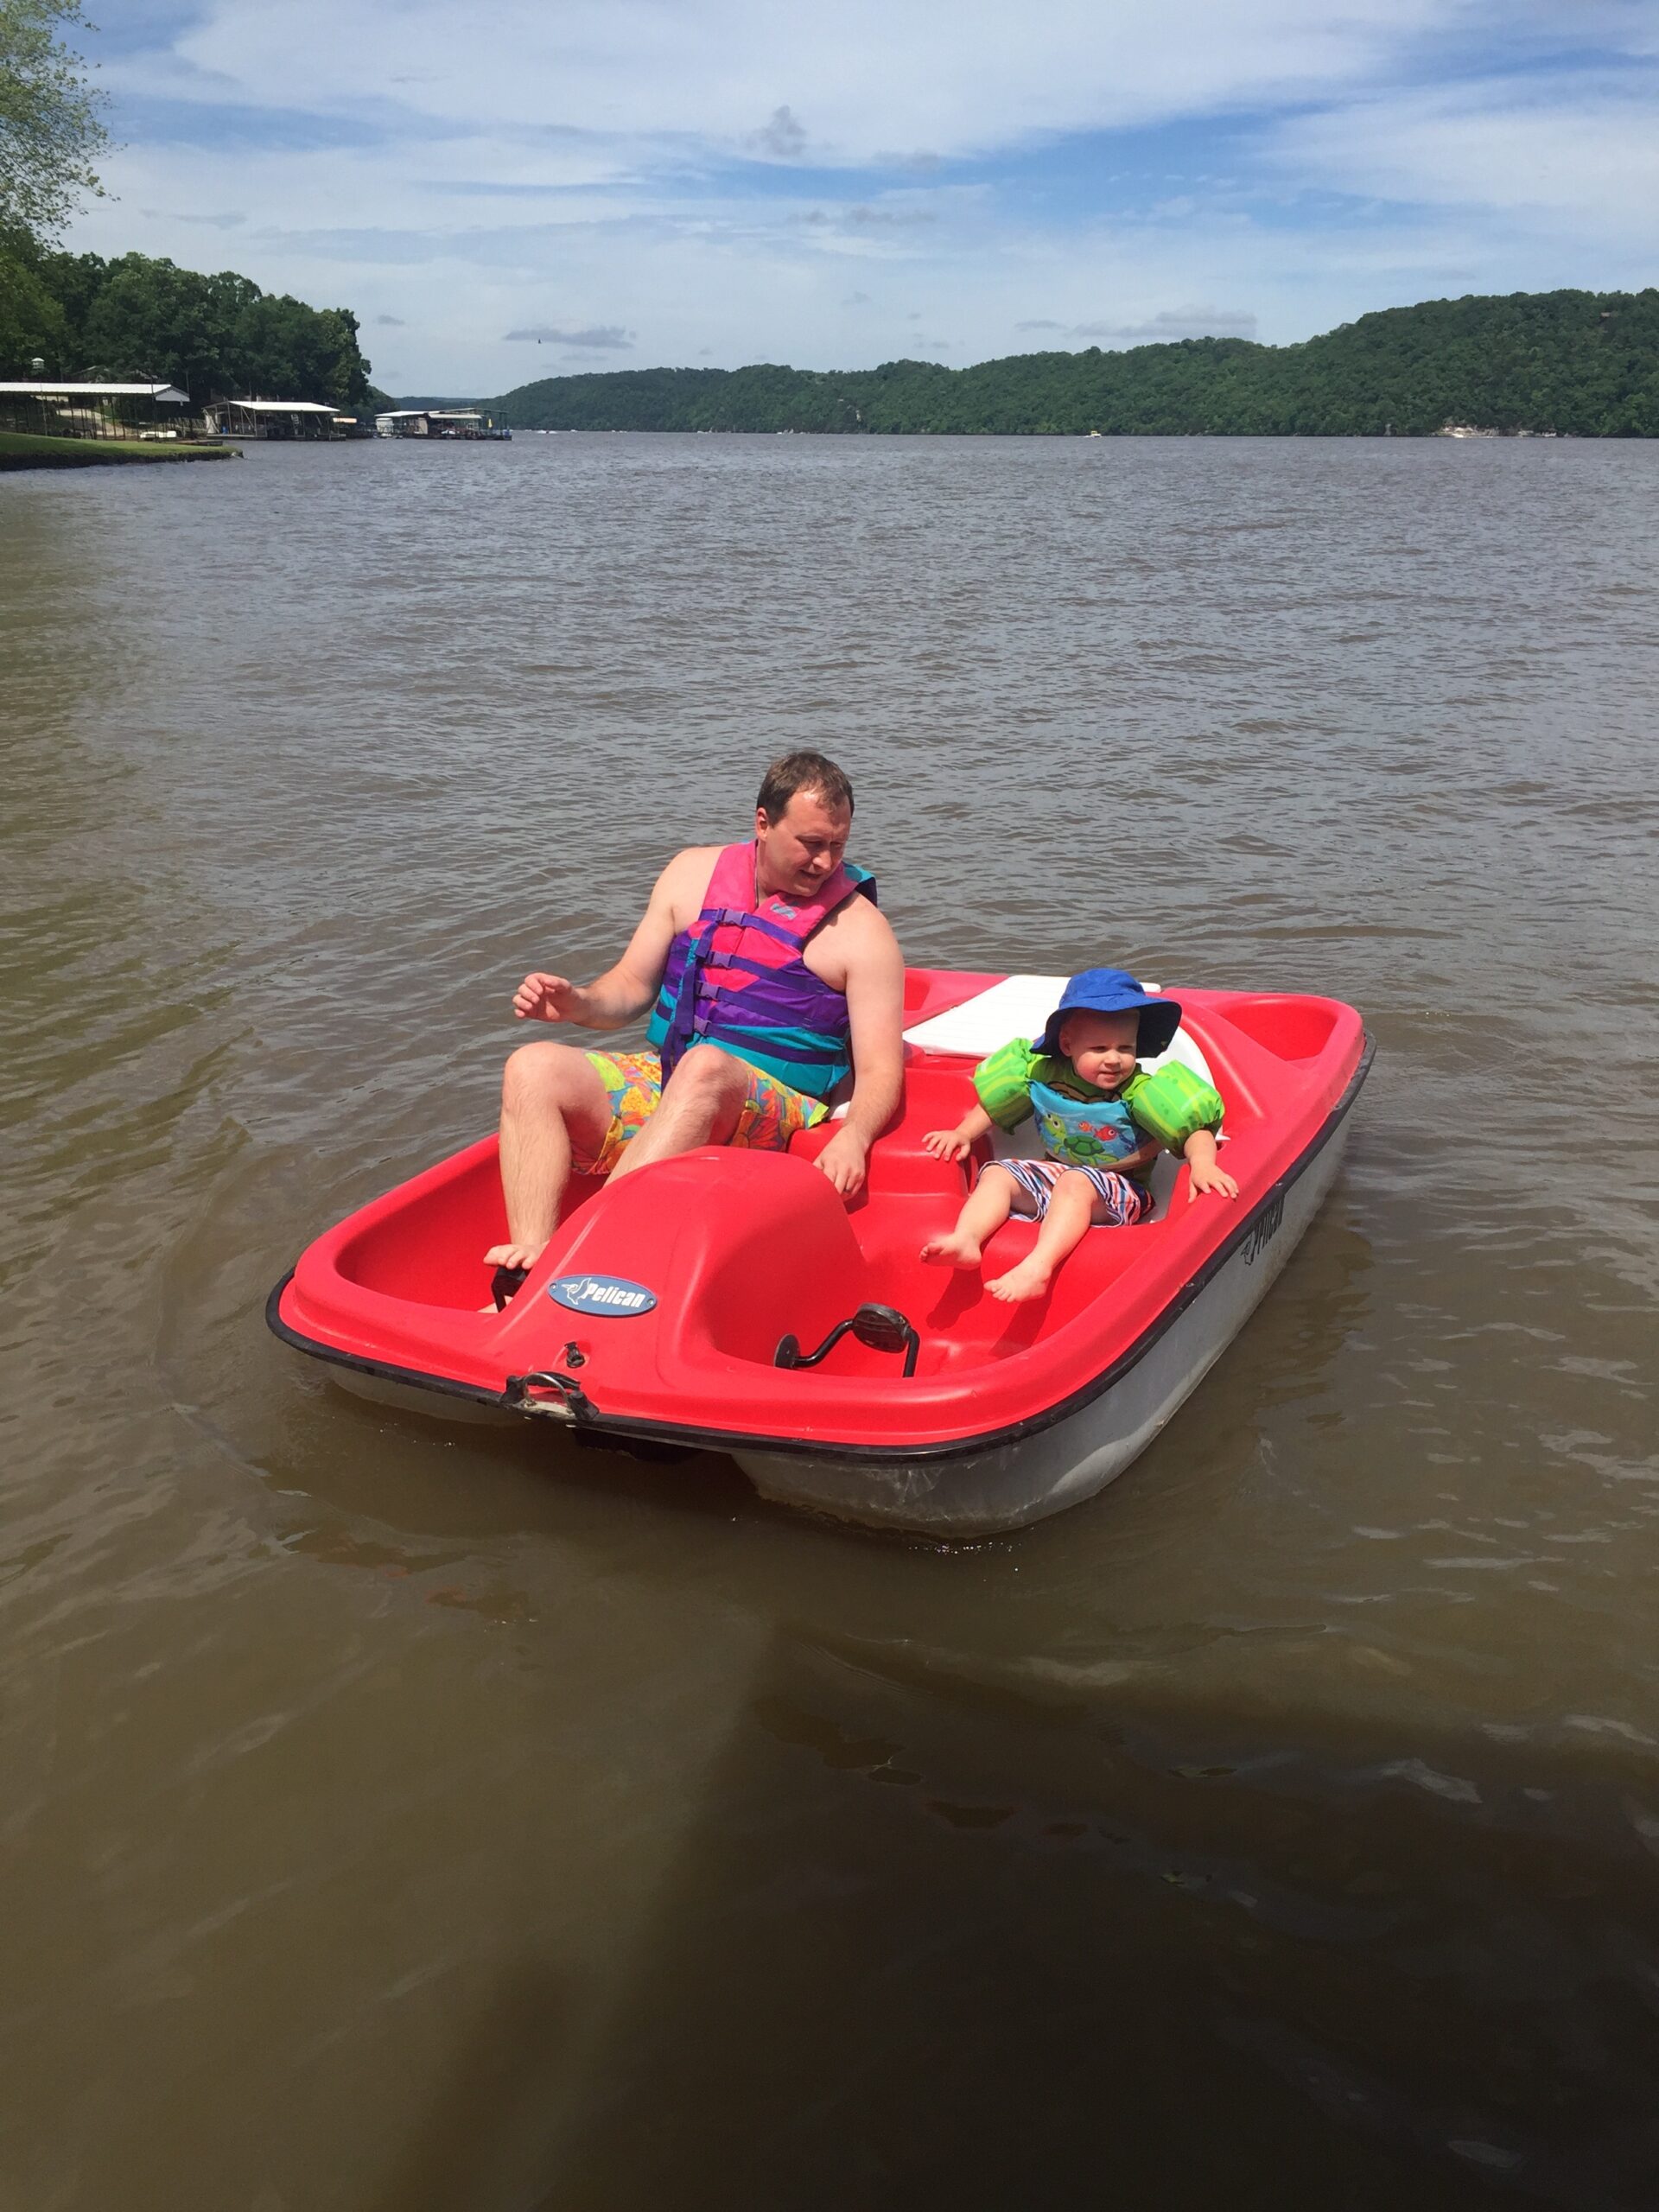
(736, 979)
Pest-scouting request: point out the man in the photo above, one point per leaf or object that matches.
(777, 989)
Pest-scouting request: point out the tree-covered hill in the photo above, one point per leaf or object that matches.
(216, 337)
(1582, 363)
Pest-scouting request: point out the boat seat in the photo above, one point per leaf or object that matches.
(933, 1099)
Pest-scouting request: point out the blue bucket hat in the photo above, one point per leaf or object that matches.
(1113, 991)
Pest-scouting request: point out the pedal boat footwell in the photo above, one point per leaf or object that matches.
(696, 1269)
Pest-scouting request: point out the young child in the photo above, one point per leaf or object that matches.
(1104, 1122)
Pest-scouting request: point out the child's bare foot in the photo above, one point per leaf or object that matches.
(1026, 1280)
(954, 1250)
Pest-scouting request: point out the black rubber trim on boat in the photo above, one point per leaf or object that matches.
(419, 1378)
(597, 1425)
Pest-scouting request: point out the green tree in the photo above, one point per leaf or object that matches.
(217, 336)
(51, 121)
(148, 318)
(32, 320)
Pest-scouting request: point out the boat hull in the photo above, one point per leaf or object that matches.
(1027, 1479)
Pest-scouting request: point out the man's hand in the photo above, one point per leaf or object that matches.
(843, 1160)
(948, 1144)
(547, 998)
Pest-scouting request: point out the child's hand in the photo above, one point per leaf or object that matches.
(1205, 1175)
(947, 1144)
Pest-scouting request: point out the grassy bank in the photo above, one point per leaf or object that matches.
(21, 449)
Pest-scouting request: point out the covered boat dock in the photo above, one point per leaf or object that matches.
(438, 423)
(48, 408)
(277, 418)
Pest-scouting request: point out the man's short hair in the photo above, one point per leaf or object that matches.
(794, 772)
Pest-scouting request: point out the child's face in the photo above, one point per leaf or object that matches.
(1101, 1047)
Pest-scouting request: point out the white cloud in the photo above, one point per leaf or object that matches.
(645, 172)
(232, 220)
(954, 76)
(1168, 324)
(1579, 153)
(603, 338)
(782, 140)
(865, 218)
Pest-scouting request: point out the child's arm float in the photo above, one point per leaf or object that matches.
(1183, 1112)
(955, 1144)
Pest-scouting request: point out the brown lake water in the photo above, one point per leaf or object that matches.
(400, 1816)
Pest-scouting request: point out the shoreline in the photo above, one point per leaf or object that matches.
(26, 449)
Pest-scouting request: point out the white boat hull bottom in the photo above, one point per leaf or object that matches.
(1012, 1484)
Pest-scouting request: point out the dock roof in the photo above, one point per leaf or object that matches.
(278, 406)
(49, 389)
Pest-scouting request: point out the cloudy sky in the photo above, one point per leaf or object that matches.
(615, 183)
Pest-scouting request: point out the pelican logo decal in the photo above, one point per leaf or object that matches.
(603, 1294)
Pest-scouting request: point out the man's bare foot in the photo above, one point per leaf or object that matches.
(1026, 1280)
(512, 1264)
(954, 1250)
(513, 1256)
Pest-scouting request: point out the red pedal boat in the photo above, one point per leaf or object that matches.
(731, 1300)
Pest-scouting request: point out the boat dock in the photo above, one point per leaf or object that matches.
(438, 423)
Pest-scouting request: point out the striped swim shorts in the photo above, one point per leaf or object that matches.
(1123, 1203)
(771, 1113)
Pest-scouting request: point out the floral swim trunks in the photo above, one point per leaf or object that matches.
(771, 1113)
